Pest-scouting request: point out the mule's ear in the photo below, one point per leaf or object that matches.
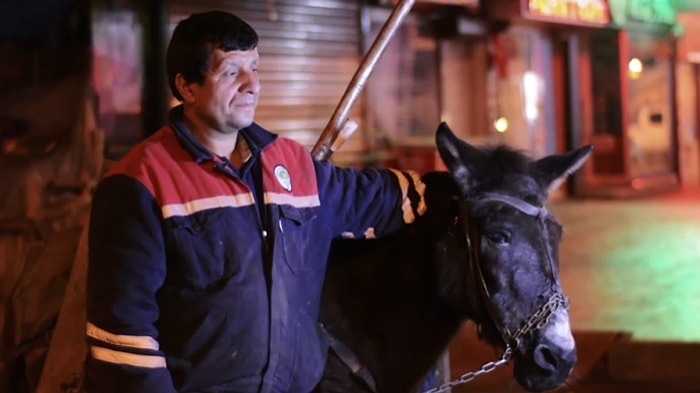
(460, 158)
(553, 170)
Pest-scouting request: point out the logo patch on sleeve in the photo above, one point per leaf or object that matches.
(282, 175)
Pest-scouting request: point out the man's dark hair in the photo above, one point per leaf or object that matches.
(195, 38)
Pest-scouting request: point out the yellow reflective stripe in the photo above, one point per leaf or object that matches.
(296, 201)
(420, 189)
(197, 205)
(139, 342)
(406, 207)
(126, 358)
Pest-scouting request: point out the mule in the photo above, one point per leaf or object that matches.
(486, 250)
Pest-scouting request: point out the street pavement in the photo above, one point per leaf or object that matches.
(633, 265)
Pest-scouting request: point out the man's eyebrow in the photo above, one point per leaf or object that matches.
(227, 63)
(222, 64)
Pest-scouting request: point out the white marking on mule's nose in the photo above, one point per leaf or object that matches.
(558, 331)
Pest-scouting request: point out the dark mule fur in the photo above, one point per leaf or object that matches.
(398, 301)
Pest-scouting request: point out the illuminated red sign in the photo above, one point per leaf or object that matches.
(473, 4)
(595, 12)
(466, 3)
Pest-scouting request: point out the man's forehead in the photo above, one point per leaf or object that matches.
(221, 58)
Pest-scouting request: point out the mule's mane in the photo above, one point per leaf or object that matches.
(498, 163)
(507, 159)
(496, 168)
(505, 170)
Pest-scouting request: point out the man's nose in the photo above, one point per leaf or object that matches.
(250, 82)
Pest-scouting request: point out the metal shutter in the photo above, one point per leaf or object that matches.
(309, 52)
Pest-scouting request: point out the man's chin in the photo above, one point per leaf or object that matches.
(241, 124)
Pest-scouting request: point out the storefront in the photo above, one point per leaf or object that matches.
(634, 111)
(490, 86)
(542, 80)
(688, 99)
(433, 69)
(612, 85)
(519, 73)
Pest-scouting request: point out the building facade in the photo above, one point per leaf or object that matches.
(545, 76)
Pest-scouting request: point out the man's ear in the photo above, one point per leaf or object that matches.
(184, 88)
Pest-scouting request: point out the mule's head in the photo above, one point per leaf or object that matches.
(513, 245)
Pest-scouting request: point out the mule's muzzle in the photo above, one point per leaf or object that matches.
(545, 367)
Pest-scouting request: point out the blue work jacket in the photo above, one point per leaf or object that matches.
(207, 278)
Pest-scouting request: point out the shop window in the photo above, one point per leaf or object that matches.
(649, 118)
(403, 91)
(520, 91)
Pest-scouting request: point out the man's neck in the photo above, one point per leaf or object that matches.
(241, 153)
(219, 143)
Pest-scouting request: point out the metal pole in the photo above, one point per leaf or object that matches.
(323, 148)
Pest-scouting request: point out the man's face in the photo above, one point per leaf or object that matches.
(227, 99)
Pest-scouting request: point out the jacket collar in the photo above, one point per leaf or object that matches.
(257, 137)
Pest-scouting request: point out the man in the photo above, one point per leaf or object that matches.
(208, 241)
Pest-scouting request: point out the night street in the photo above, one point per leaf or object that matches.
(632, 270)
(174, 173)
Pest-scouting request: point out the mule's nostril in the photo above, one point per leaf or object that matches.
(545, 358)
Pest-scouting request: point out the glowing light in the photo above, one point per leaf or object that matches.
(635, 65)
(501, 124)
(635, 68)
(531, 90)
(638, 184)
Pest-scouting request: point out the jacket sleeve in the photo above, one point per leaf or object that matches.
(371, 202)
(126, 268)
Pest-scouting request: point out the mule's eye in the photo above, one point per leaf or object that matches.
(498, 237)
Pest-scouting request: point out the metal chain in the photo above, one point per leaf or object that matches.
(468, 377)
(542, 316)
(538, 320)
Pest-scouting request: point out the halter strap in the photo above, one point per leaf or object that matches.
(525, 207)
